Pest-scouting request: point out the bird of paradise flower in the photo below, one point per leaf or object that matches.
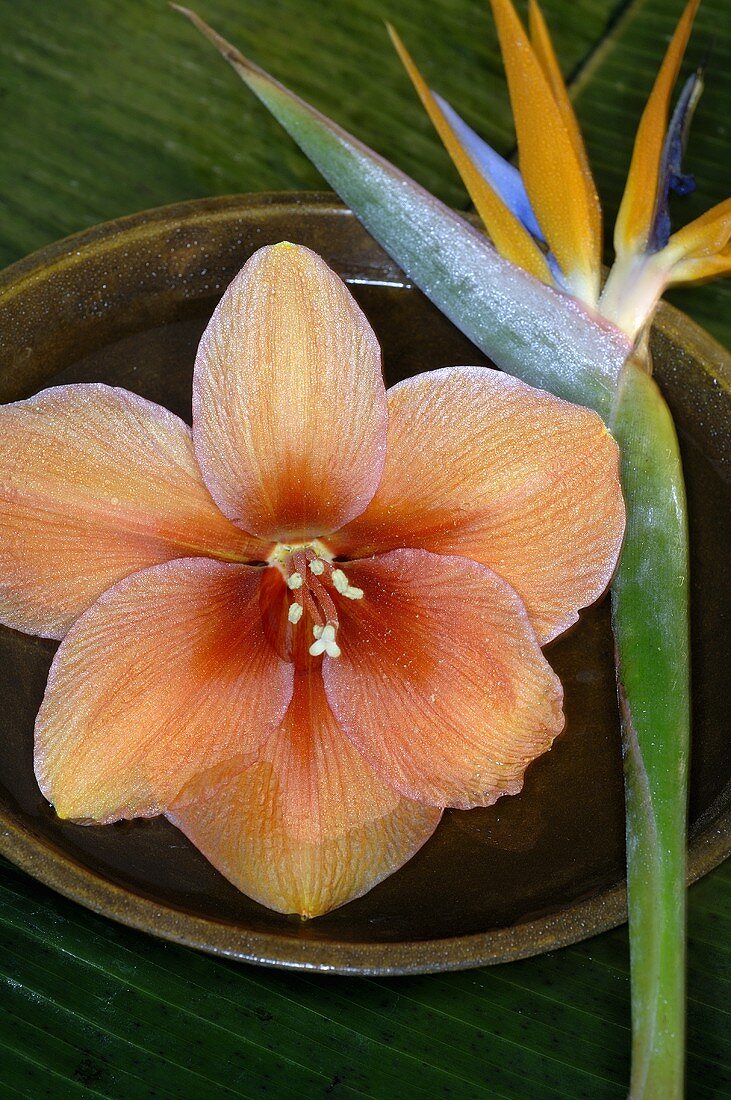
(546, 216)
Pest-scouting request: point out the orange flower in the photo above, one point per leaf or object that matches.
(306, 627)
(546, 218)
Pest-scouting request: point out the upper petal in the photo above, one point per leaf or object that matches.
(441, 683)
(167, 675)
(551, 156)
(482, 465)
(639, 202)
(96, 483)
(310, 826)
(289, 406)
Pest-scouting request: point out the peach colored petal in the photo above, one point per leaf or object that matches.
(96, 483)
(168, 674)
(289, 407)
(309, 826)
(510, 476)
(441, 683)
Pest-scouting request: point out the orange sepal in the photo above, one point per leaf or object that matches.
(511, 238)
(637, 209)
(704, 237)
(546, 56)
(310, 826)
(558, 182)
(698, 270)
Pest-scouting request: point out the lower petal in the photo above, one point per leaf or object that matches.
(441, 683)
(167, 675)
(310, 826)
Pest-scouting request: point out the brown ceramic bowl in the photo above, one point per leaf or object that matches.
(126, 304)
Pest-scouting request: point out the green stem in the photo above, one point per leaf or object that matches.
(650, 621)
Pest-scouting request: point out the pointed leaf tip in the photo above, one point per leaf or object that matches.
(525, 327)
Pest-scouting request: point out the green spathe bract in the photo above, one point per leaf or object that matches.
(544, 337)
(550, 340)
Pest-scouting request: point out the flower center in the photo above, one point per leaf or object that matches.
(311, 576)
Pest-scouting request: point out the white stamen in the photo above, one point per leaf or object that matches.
(340, 581)
(325, 641)
(317, 567)
(295, 581)
(344, 587)
(295, 612)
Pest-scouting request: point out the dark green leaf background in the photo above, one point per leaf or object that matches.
(112, 106)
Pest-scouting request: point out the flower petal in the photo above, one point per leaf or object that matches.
(671, 176)
(502, 176)
(510, 476)
(96, 483)
(639, 201)
(167, 675)
(289, 407)
(310, 826)
(551, 159)
(706, 236)
(509, 235)
(441, 683)
(697, 270)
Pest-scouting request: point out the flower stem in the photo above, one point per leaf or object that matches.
(650, 621)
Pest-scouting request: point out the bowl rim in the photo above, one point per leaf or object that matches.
(710, 841)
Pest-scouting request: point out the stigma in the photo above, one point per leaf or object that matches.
(314, 583)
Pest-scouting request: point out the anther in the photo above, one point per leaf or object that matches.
(295, 581)
(317, 567)
(325, 642)
(344, 587)
(340, 580)
(295, 612)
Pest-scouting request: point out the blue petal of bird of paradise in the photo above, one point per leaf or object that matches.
(503, 177)
(672, 177)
